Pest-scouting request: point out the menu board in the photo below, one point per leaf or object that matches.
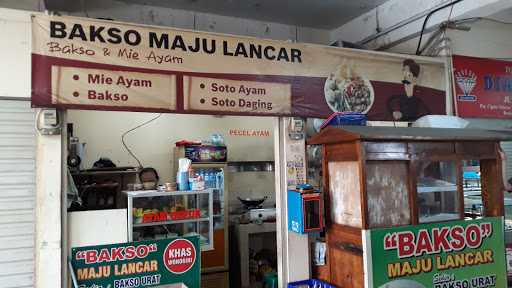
(83, 63)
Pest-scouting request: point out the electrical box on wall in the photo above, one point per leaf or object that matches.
(296, 128)
(48, 122)
(305, 212)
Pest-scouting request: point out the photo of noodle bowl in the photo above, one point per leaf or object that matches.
(402, 284)
(346, 91)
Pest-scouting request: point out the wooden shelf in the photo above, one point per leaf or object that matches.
(439, 217)
(428, 185)
(429, 189)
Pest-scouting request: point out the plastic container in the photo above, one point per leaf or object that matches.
(197, 185)
(182, 180)
(345, 118)
(270, 280)
(311, 283)
(441, 121)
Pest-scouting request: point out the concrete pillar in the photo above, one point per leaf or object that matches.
(48, 244)
(292, 248)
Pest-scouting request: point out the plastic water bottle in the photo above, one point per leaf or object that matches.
(207, 179)
(219, 183)
(212, 179)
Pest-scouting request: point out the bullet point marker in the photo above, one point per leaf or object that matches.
(202, 86)
(202, 101)
(75, 77)
(76, 94)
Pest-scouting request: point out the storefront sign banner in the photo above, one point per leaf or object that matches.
(469, 254)
(139, 264)
(482, 87)
(80, 63)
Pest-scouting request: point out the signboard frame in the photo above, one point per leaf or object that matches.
(294, 79)
(161, 262)
(481, 87)
(373, 244)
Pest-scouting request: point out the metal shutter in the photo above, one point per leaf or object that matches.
(17, 194)
(497, 124)
(507, 148)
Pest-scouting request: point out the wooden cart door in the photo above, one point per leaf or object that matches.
(344, 215)
(345, 256)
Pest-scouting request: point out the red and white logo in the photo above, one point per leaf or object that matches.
(179, 256)
(466, 80)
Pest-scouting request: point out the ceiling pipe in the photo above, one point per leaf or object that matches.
(398, 25)
(437, 37)
(418, 52)
(428, 30)
(434, 38)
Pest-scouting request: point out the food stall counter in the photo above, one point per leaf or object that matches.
(154, 214)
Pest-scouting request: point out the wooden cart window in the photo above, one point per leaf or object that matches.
(438, 198)
(471, 184)
(387, 192)
(345, 193)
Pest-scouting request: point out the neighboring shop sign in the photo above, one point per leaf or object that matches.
(80, 63)
(482, 87)
(139, 264)
(468, 254)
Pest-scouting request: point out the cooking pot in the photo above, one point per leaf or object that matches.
(250, 203)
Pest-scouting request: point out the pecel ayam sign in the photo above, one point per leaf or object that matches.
(80, 63)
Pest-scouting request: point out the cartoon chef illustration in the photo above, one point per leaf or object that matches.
(407, 106)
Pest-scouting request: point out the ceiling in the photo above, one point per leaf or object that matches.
(504, 16)
(326, 14)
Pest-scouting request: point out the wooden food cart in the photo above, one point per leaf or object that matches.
(395, 207)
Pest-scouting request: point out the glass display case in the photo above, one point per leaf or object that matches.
(438, 199)
(214, 180)
(378, 178)
(159, 214)
(215, 175)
